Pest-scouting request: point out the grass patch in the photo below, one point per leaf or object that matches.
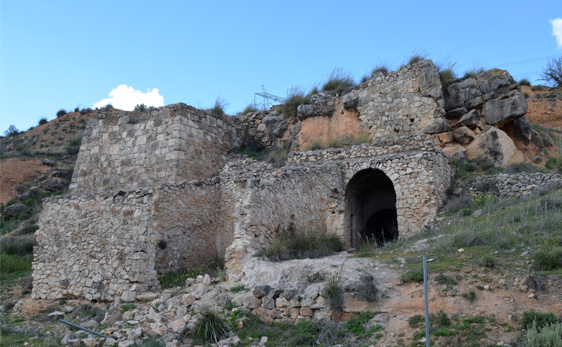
(220, 105)
(412, 275)
(301, 244)
(295, 97)
(548, 260)
(470, 295)
(538, 320)
(339, 81)
(333, 292)
(356, 325)
(239, 288)
(210, 326)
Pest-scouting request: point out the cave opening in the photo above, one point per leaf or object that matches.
(371, 215)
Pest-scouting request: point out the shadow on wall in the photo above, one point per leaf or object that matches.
(371, 208)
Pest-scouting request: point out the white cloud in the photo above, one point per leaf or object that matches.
(557, 30)
(126, 98)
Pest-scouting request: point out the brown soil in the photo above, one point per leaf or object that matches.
(544, 106)
(14, 171)
(344, 124)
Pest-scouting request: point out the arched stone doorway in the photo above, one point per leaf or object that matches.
(371, 208)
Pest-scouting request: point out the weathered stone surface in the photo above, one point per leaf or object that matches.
(438, 125)
(522, 129)
(470, 119)
(54, 184)
(464, 135)
(456, 152)
(276, 125)
(261, 291)
(496, 145)
(500, 111)
(456, 113)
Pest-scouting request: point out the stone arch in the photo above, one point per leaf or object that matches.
(371, 208)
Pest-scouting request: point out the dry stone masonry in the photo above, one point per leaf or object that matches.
(161, 191)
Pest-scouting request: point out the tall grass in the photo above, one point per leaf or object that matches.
(339, 81)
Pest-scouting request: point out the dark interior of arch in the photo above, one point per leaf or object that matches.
(371, 208)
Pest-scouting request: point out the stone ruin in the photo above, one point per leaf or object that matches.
(161, 191)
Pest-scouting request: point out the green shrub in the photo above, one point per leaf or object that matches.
(416, 57)
(413, 275)
(140, 108)
(11, 131)
(524, 82)
(218, 109)
(356, 325)
(61, 113)
(333, 293)
(475, 71)
(75, 141)
(210, 326)
(295, 97)
(17, 246)
(415, 321)
(489, 262)
(250, 108)
(239, 288)
(445, 280)
(538, 319)
(339, 81)
(14, 266)
(42, 121)
(379, 68)
(447, 73)
(526, 95)
(537, 88)
(546, 261)
(301, 244)
(548, 336)
(470, 295)
(128, 307)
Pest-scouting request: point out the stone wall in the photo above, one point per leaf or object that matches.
(403, 102)
(187, 218)
(94, 246)
(127, 150)
(266, 202)
(310, 191)
(516, 185)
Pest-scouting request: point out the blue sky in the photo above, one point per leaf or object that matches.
(66, 54)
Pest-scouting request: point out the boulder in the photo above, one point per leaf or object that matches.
(456, 113)
(437, 125)
(470, 119)
(350, 101)
(55, 183)
(522, 129)
(500, 111)
(462, 94)
(464, 135)
(15, 209)
(496, 145)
